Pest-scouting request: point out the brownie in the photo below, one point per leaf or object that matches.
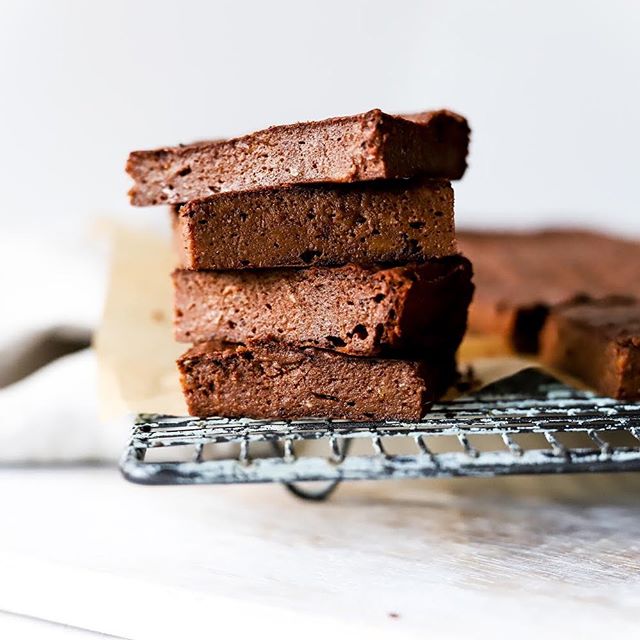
(520, 276)
(367, 146)
(410, 310)
(384, 221)
(273, 380)
(597, 341)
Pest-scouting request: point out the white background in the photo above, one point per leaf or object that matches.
(551, 89)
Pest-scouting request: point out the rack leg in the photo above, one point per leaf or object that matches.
(313, 495)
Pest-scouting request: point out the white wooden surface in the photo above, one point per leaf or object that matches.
(534, 558)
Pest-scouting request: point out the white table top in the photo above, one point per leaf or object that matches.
(434, 558)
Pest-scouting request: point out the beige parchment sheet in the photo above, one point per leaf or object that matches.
(135, 345)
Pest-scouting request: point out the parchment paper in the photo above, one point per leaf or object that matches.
(135, 345)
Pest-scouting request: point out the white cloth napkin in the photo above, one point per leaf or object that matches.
(52, 416)
(53, 290)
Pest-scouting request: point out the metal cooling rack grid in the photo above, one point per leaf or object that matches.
(528, 403)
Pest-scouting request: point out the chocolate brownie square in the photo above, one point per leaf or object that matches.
(597, 341)
(367, 146)
(366, 223)
(412, 309)
(274, 380)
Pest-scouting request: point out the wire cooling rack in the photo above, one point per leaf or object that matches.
(529, 423)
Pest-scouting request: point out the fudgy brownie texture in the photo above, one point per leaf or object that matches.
(367, 146)
(520, 276)
(412, 310)
(597, 341)
(375, 222)
(274, 380)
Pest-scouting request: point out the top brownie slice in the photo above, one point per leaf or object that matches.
(367, 146)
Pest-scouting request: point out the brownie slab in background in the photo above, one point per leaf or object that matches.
(411, 310)
(597, 341)
(519, 277)
(365, 223)
(367, 146)
(277, 381)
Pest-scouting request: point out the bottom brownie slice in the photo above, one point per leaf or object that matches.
(271, 380)
(597, 341)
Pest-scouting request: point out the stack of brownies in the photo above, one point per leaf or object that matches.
(319, 271)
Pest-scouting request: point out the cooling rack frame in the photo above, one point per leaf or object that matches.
(530, 402)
